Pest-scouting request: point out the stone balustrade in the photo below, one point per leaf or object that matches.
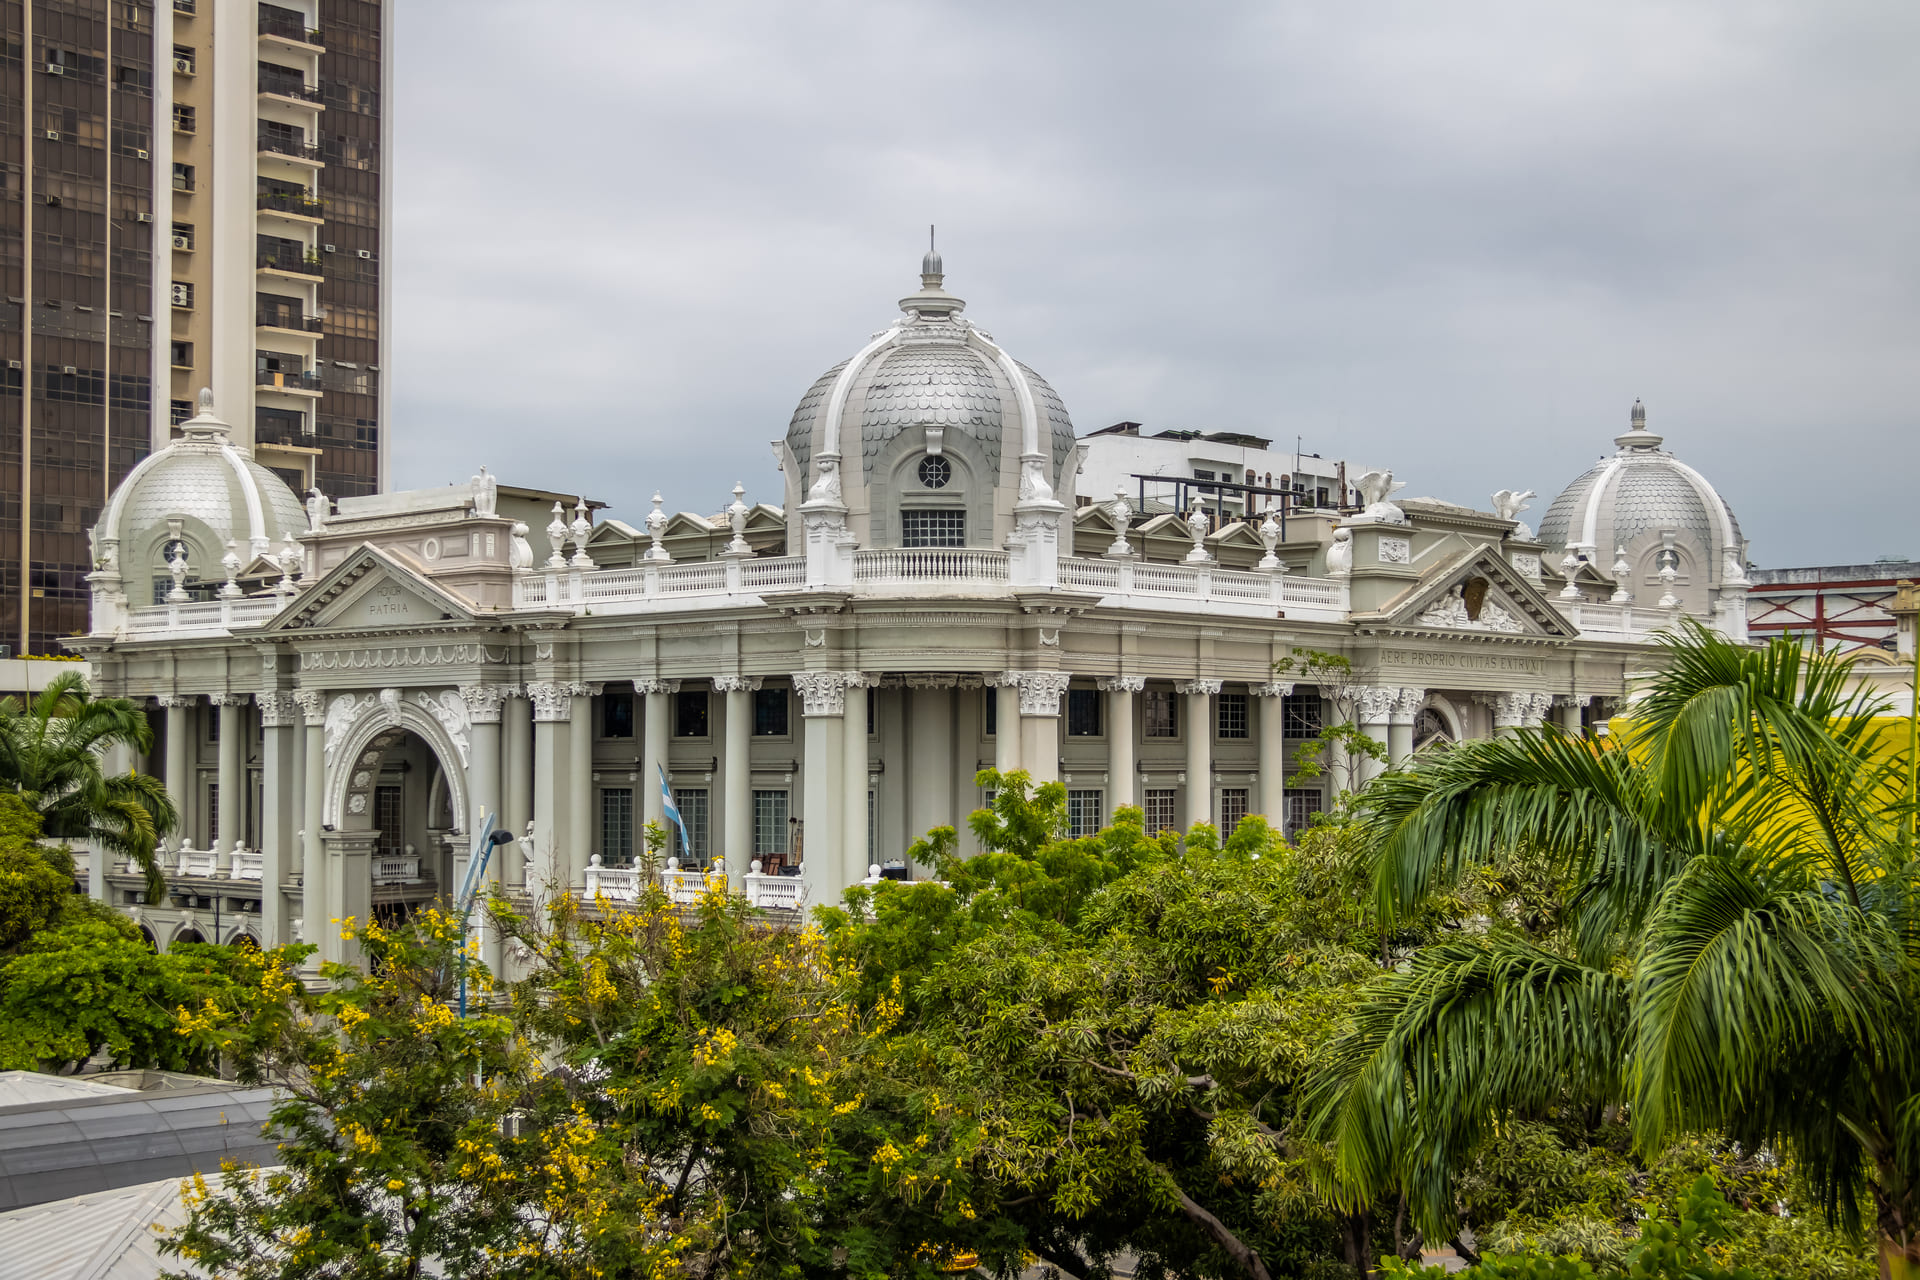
(685, 887)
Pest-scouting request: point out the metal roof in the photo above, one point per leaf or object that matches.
(33, 1088)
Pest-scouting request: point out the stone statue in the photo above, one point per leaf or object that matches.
(486, 494)
(316, 509)
(826, 484)
(1375, 488)
(1508, 504)
(1340, 554)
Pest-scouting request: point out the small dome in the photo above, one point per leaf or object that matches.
(207, 492)
(931, 369)
(1635, 497)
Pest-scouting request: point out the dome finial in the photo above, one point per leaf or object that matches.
(205, 425)
(931, 271)
(1637, 436)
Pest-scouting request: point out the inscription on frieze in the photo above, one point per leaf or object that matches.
(1512, 664)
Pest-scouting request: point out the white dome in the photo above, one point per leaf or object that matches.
(934, 368)
(208, 489)
(1644, 502)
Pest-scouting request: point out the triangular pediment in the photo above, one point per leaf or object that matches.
(1472, 592)
(372, 591)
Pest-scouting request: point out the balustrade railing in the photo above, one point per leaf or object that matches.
(391, 868)
(197, 862)
(915, 565)
(204, 615)
(245, 864)
(685, 888)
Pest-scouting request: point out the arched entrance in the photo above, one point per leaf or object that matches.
(1434, 728)
(397, 789)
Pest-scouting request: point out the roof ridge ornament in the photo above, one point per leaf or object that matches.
(205, 426)
(1637, 438)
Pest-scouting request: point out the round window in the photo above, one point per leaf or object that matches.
(935, 472)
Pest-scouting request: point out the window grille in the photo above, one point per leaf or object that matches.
(1083, 713)
(1083, 812)
(935, 527)
(770, 811)
(1233, 808)
(692, 804)
(1302, 804)
(1160, 711)
(616, 826)
(1158, 806)
(389, 816)
(1231, 714)
(1303, 716)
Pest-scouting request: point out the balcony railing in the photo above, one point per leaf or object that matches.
(287, 320)
(288, 262)
(287, 27)
(279, 202)
(283, 146)
(291, 88)
(308, 381)
(283, 433)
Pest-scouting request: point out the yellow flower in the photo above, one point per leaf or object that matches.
(394, 1184)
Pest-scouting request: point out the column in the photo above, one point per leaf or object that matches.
(929, 753)
(1272, 699)
(969, 702)
(1400, 717)
(736, 773)
(552, 710)
(1513, 711)
(1040, 694)
(484, 786)
(116, 761)
(579, 845)
(823, 698)
(1006, 720)
(1123, 778)
(279, 782)
(349, 889)
(516, 765)
(315, 909)
(179, 708)
(1199, 713)
(853, 769)
(233, 773)
(654, 728)
(1373, 710)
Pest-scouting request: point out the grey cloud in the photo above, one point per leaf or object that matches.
(1458, 240)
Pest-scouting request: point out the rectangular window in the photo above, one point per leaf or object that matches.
(183, 177)
(1160, 713)
(1302, 804)
(616, 715)
(183, 235)
(1233, 808)
(938, 527)
(185, 118)
(183, 59)
(1157, 802)
(183, 355)
(993, 713)
(1083, 813)
(389, 819)
(183, 294)
(616, 826)
(690, 713)
(873, 712)
(1302, 716)
(1083, 713)
(692, 804)
(1231, 714)
(179, 411)
(770, 714)
(770, 834)
(213, 814)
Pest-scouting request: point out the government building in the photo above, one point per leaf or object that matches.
(346, 689)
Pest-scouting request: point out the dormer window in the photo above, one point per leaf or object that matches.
(935, 472)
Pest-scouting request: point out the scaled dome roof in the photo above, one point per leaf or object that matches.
(1641, 489)
(931, 368)
(212, 487)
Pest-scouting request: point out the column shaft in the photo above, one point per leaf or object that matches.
(653, 750)
(1273, 760)
(516, 766)
(315, 909)
(179, 748)
(233, 778)
(827, 862)
(579, 787)
(736, 779)
(929, 758)
(968, 711)
(1122, 777)
(279, 784)
(1199, 757)
(1006, 735)
(853, 769)
(549, 820)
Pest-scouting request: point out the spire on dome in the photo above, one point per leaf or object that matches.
(1637, 437)
(205, 425)
(932, 302)
(931, 271)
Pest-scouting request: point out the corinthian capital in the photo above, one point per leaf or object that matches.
(1373, 703)
(1122, 684)
(484, 702)
(1041, 691)
(822, 693)
(552, 700)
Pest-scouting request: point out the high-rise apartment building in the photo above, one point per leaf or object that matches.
(194, 196)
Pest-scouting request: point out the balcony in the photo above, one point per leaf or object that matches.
(299, 206)
(284, 434)
(288, 319)
(305, 384)
(284, 24)
(289, 264)
(289, 148)
(292, 89)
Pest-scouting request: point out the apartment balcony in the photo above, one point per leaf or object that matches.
(284, 435)
(283, 26)
(297, 384)
(289, 265)
(306, 208)
(297, 150)
(294, 92)
(287, 322)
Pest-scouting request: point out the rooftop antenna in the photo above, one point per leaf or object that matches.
(930, 248)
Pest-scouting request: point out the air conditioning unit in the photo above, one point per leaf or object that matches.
(366, 253)
(53, 135)
(143, 217)
(326, 248)
(55, 69)
(68, 369)
(13, 364)
(182, 295)
(181, 242)
(140, 153)
(183, 65)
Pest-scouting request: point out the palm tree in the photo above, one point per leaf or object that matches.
(1745, 946)
(50, 754)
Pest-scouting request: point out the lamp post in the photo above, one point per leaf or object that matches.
(483, 848)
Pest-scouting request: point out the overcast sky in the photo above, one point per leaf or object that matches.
(1456, 239)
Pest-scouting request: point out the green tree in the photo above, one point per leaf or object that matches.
(1738, 951)
(50, 755)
